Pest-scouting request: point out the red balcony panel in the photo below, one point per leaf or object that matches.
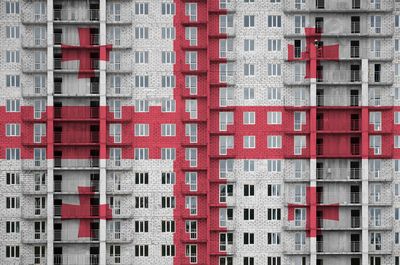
(338, 146)
(71, 152)
(76, 113)
(338, 121)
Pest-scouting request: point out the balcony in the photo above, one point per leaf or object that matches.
(339, 247)
(339, 77)
(337, 6)
(91, 90)
(332, 125)
(83, 138)
(29, 17)
(92, 211)
(66, 236)
(71, 186)
(76, 113)
(338, 151)
(71, 15)
(58, 39)
(77, 164)
(34, 189)
(338, 174)
(343, 198)
(75, 65)
(32, 237)
(33, 91)
(74, 259)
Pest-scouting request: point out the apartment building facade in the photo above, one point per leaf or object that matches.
(222, 132)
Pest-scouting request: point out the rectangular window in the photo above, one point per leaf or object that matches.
(12, 32)
(167, 250)
(141, 8)
(248, 93)
(191, 35)
(168, 153)
(13, 154)
(249, 45)
(141, 57)
(12, 251)
(13, 129)
(274, 117)
(273, 214)
(191, 11)
(141, 202)
(249, 118)
(167, 202)
(12, 227)
(141, 153)
(274, 45)
(167, 9)
(168, 33)
(168, 178)
(12, 7)
(248, 238)
(12, 203)
(167, 226)
(12, 178)
(12, 57)
(141, 178)
(168, 129)
(142, 129)
(141, 250)
(274, 141)
(274, 166)
(168, 57)
(248, 190)
(249, 21)
(274, 21)
(274, 238)
(274, 190)
(274, 69)
(141, 226)
(249, 141)
(168, 81)
(141, 33)
(168, 105)
(141, 105)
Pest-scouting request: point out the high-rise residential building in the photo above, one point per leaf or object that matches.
(210, 132)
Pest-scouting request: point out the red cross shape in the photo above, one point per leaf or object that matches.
(329, 211)
(82, 53)
(85, 212)
(314, 53)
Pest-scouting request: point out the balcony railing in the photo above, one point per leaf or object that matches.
(82, 138)
(354, 150)
(59, 39)
(332, 125)
(338, 197)
(355, 222)
(76, 113)
(338, 5)
(352, 246)
(59, 64)
(70, 185)
(74, 259)
(76, 163)
(72, 15)
(338, 173)
(93, 211)
(339, 76)
(59, 235)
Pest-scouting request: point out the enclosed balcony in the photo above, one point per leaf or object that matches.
(91, 163)
(74, 259)
(91, 211)
(76, 65)
(71, 186)
(67, 236)
(75, 15)
(338, 174)
(83, 138)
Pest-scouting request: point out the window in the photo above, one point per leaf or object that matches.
(13, 129)
(375, 142)
(191, 156)
(168, 129)
(249, 21)
(141, 178)
(141, 226)
(248, 260)
(274, 117)
(225, 239)
(274, 93)
(168, 153)
(167, 226)
(12, 251)
(39, 83)
(39, 155)
(167, 202)
(396, 141)
(168, 57)
(249, 117)
(273, 261)
(141, 202)
(225, 167)
(12, 57)
(225, 119)
(274, 238)
(141, 57)
(168, 105)
(397, 45)
(191, 35)
(397, 214)
(115, 11)
(299, 120)
(12, 7)
(191, 59)
(274, 190)
(142, 129)
(168, 178)
(168, 81)
(226, 72)
(191, 108)
(248, 45)
(167, 8)
(167, 250)
(39, 33)
(12, 178)
(248, 214)
(12, 203)
(248, 238)
(248, 93)
(274, 214)
(115, 254)
(225, 46)
(397, 117)
(248, 190)
(248, 165)
(376, 240)
(376, 23)
(225, 22)
(227, 261)
(225, 143)
(40, 230)
(141, 81)
(141, 8)
(191, 84)
(274, 69)
(191, 180)
(274, 45)
(191, 253)
(299, 240)
(12, 81)
(249, 141)
(12, 227)
(225, 190)
(274, 166)
(141, 33)
(13, 154)
(375, 118)
(115, 132)
(225, 214)
(13, 105)
(375, 216)
(141, 250)
(274, 141)
(299, 24)
(168, 33)
(12, 32)
(226, 96)
(191, 132)
(116, 83)
(191, 11)
(142, 105)
(249, 69)
(141, 153)
(274, 21)
(191, 204)
(299, 144)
